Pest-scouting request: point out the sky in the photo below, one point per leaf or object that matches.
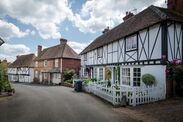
(25, 24)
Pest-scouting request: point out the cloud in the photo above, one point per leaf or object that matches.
(44, 15)
(8, 30)
(96, 15)
(78, 47)
(10, 51)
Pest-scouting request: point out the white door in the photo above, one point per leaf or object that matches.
(40, 77)
(56, 78)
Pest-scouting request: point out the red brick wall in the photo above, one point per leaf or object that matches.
(71, 64)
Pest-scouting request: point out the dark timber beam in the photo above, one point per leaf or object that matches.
(164, 41)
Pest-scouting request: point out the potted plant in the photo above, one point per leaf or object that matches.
(148, 79)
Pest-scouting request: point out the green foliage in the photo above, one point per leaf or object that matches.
(68, 74)
(69, 81)
(87, 81)
(93, 79)
(4, 84)
(148, 79)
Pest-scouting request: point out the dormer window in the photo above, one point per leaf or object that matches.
(45, 63)
(131, 43)
(56, 62)
(99, 52)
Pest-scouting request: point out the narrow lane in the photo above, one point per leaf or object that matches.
(33, 103)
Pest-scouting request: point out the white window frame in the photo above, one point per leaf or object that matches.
(126, 76)
(36, 64)
(131, 43)
(45, 63)
(100, 52)
(95, 73)
(45, 76)
(36, 74)
(56, 62)
(131, 77)
(101, 73)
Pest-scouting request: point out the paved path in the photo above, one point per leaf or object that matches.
(33, 103)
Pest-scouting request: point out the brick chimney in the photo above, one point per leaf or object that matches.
(175, 5)
(128, 15)
(105, 30)
(39, 49)
(63, 41)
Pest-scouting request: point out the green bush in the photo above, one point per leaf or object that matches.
(68, 74)
(93, 79)
(87, 81)
(69, 81)
(4, 84)
(148, 79)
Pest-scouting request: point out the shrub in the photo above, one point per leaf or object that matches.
(148, 79)
(68, 81)
(93, 79)
(68, 74)
(87, 81)
(4, 84)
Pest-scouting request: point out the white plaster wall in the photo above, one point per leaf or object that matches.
(12, 70)
(158, 71)
(174, 45)
(121, 50)
(115, 52)
(156, 53)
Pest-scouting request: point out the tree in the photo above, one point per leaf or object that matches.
(4, 83)
(1, 77)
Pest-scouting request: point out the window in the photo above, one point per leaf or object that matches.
(56, 62)
(101, 73)
(45, 76)
(85, 73)
(36, 74)
(56, 76)
(36, 64)
(136, 76)
(131, 43)
(125, 76)
(95, 73)
(45, 63)
(85, 57)
(99, 52)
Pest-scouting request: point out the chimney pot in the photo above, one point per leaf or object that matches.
(105, 30)
(63, 41)
(128, 15)
(39, 49)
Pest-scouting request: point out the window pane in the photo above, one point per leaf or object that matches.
(136, 76)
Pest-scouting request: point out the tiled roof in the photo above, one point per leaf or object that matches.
(23, 61)
(146, 18)
(58, 51)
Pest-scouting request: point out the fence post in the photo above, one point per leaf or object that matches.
(113, 95)
(133, 96)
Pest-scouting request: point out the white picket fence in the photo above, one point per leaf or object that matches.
(134, 95)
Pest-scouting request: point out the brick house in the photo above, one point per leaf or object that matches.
(51, 62)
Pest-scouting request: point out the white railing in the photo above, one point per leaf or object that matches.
(134, 95)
